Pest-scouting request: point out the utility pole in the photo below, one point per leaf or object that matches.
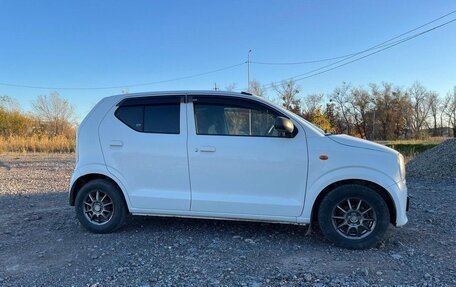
(215, 87)
(248, 70)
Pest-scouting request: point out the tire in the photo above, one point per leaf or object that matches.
(357, 227)
(100, 206)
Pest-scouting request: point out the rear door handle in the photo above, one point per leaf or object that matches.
(207, 149)
(116, 143)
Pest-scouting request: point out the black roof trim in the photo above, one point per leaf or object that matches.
(138, 101)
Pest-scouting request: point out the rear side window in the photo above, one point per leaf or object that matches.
(131, 116)
(162, 119)
(149, 115)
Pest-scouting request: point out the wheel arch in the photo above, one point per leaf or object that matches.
(374, 186)
(86, 178)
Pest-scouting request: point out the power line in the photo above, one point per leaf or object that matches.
(301, 62)
(379, 47)
(123, 86)
(315, 72)
(385, 43)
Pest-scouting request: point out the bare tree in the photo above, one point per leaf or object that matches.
(361, 103)
(288, 93)
(256, 89)
(312, 103)
(54, 111)
(340, 98)
(391, 111)
(230, 87)
(419, 99)
(434, 103)
(9, 104)
(450, 110)
(442, 108)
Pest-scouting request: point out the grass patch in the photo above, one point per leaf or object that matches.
(411, 148)
(35, 144)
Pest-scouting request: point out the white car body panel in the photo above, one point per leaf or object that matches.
(246, 178)
(154, 167)
(250, 175)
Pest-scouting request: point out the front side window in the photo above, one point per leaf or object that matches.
(161, 117)
(234, 119)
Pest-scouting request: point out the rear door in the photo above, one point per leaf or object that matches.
(144, 144)
(239, 164)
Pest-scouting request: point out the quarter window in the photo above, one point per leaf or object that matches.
(162, 117)
(131, 116)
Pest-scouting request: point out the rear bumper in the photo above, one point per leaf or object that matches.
(73, 179)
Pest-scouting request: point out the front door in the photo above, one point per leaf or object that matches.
(239, 164)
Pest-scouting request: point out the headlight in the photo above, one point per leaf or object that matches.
(401, 165)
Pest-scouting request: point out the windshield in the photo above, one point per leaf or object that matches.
(310, 125)
(315, 127)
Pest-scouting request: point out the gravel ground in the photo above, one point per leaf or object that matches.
(42, 243)
(436, 163)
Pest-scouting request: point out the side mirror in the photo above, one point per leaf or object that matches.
(282, 124)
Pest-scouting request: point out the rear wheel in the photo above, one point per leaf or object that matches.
(100, 206)
(353, 216)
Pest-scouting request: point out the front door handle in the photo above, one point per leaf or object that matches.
(207, 149)
(116, 143)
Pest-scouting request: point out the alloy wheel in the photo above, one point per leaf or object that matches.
(98, 207)
(354, 218)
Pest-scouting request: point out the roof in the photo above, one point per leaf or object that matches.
(185, 92)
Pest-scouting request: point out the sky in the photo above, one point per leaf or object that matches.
(87, 44)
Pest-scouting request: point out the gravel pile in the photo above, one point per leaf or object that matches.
(436, 163)
(43, 244)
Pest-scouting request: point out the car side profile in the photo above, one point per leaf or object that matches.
(225, 155)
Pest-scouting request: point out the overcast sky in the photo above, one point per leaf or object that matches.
(118, 43)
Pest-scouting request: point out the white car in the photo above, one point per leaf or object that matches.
(224, 155)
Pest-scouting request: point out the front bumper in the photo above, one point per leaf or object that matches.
(401, 199)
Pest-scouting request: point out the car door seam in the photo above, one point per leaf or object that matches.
(188, 157)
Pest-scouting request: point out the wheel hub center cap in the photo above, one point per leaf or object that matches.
(353, 218)
(97, 207)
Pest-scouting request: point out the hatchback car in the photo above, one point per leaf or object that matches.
(224, 155)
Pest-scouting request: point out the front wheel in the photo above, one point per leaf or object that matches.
(353, 216)
(100, 206)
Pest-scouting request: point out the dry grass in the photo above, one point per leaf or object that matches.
(431, 140)
(58, 144)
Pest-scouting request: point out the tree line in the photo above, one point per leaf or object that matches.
(51, 116)
(376, 112)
